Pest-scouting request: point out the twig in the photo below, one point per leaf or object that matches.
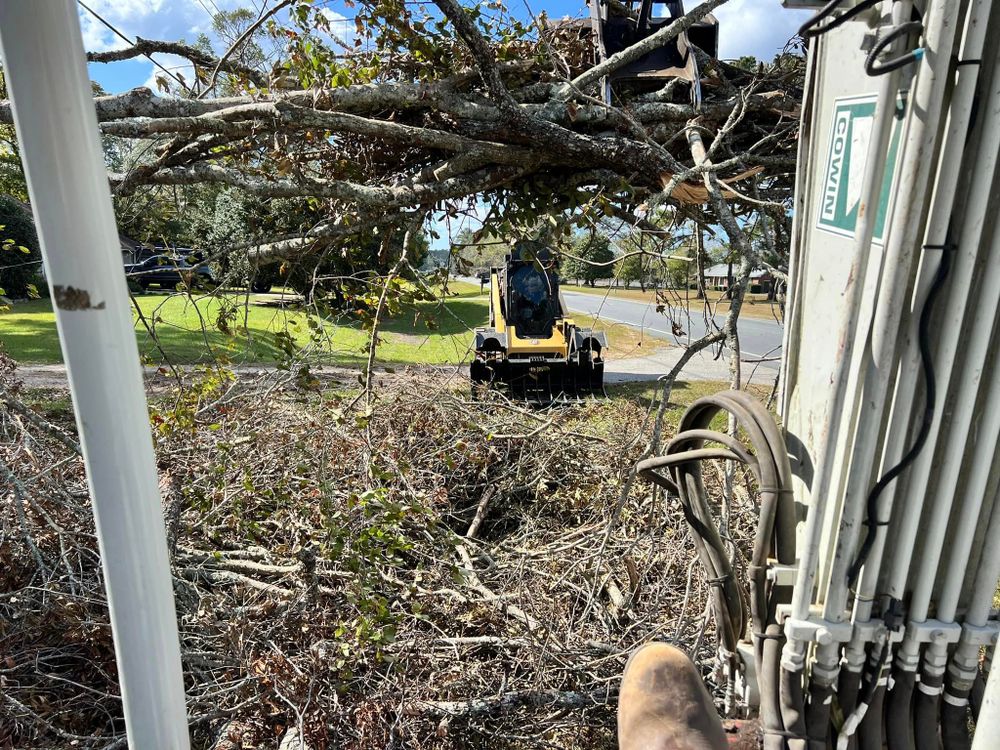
(242, 38)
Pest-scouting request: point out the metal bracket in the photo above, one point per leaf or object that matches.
(823, 632)
(985, 635)
(782, 575)
(871, 630)
(933, 631)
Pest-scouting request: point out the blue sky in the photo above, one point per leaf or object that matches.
(746, 27)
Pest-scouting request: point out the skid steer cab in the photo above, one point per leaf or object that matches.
(530, 347)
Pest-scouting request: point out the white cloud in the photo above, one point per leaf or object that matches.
(149, 19)
(341, 26)
(96, 36)
(756, 27)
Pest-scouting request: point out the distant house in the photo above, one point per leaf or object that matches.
(132, 251)
(717, 278)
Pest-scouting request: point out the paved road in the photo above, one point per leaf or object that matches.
(759, 339)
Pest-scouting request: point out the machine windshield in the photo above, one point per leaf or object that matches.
(533, 301)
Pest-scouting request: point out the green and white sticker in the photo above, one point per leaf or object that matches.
(851, 133)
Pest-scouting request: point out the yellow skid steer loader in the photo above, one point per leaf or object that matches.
(530, 345)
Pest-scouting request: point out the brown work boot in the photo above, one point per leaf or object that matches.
(663, 704)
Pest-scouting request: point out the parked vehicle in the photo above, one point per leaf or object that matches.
(167, 271)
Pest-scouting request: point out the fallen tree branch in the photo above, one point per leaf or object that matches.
(145, 47)
(558, 700)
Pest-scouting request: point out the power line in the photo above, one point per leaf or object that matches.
(205, 8)
(120, 35)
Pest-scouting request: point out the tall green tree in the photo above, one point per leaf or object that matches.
(630, 268)
(589, 258)
(478, 251)
(12, 180)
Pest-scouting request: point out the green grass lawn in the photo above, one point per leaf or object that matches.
(224, 326)
(197, 330)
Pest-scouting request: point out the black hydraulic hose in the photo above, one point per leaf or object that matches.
(818, 715)
(777, 512)
(871, 690)
(977, 693)
(682, 453)
(848, 688)
(875, 68)
(869, 735)
(726, 594)
(775, 538)
(772, 477)
(768, 684)
(811, 27)
(899, 713)
(767, 475)
(792, 708)
(930, 397)
(926, 709)
(955, 719)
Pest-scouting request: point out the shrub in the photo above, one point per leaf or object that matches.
(20, 257)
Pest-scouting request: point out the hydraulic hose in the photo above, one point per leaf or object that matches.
(793, 709)
(679, 472)
(768, 683)
(870, 736)
(955, 719)
(848, 688)
(926, 705)
(898, 713)
(872, 679)
(811, 28)
(977, 693)
(818, 715)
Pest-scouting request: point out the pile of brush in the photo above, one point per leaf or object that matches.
(403, 568)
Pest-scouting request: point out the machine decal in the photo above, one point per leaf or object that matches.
(845, 166)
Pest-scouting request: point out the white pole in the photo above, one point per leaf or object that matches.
(987, 735)
(902, 240)
(61, 149)
(973, 246)
(965, 661)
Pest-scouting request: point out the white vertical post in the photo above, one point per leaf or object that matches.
(56, 125)
(987, 735)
